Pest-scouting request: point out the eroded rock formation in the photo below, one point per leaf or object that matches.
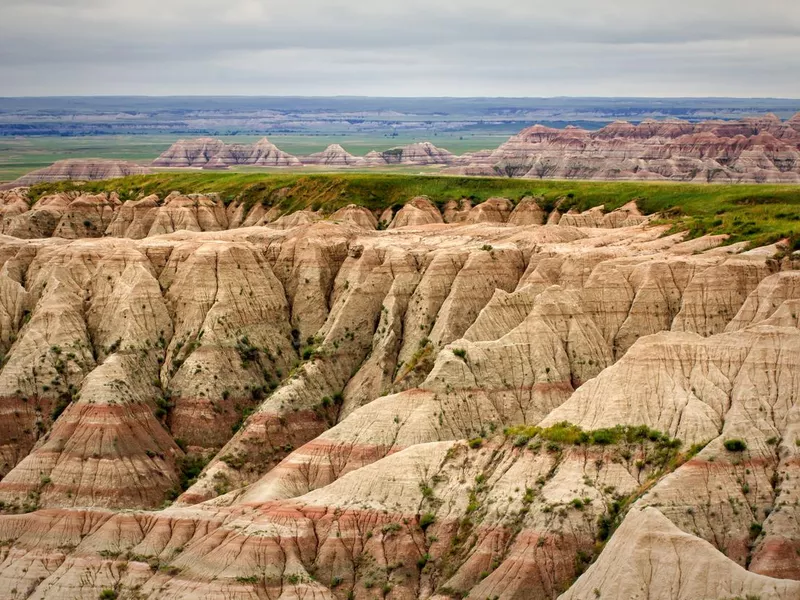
(469, 404)
(81, 169)
(333, 156)
(209, 153)
(753, 150)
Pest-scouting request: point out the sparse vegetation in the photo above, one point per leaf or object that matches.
(426, 520)
(475, 443)
(759, 213)
(735, 445)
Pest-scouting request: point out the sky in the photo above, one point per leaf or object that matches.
(741, 48)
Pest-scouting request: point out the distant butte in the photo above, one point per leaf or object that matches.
(91, 169)
(752, 150)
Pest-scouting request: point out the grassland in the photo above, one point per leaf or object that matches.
(21, 155)
(757, 213)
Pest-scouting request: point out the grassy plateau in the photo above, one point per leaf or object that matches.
(20, 155)
(757, 213)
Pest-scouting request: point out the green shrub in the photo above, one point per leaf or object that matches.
(755, 529)
(426, 520)
(460, 353)
(735, 445)
(603, 437)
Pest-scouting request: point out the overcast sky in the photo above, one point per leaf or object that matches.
(401, 47)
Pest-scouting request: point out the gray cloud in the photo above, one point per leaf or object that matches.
(415, 47)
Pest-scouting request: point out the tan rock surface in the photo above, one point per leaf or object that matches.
(333, 156)
(422, 153)
(651, 558)
(527, 212)
(349, 390)
(216, 154)
(418, 211)
(494, 210)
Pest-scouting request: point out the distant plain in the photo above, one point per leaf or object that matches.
(20, 155)
(35, 132)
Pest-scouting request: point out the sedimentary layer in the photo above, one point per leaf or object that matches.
(91, 169)
(203, 400)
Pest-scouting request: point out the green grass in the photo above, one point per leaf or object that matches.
(758, 213)
(21, 155)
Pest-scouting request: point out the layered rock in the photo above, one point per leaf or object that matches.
(421, 153)
(81, 169)
(751, 150)
(527, 212)
(215, 154)
(418, 211)
(494, 210)
(651, 558)
(333, 156)
(383, 411)
(357, 215)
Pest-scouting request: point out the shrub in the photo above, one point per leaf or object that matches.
(475, 443)
(108, 594)
(427, 491)
(426, 520)
(603, 437)
(735, 445)
(755, 529)
(460, 353)
(390, 528)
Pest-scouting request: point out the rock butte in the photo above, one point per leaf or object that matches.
(349, 389)
(80, 169)
(753, 150)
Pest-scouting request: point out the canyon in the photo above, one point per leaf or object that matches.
(511, 399)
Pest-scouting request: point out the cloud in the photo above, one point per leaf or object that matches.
(415, 47)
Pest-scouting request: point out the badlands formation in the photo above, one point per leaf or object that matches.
(208, 153)
(92, 169)
(215, 401)
(753, 150)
